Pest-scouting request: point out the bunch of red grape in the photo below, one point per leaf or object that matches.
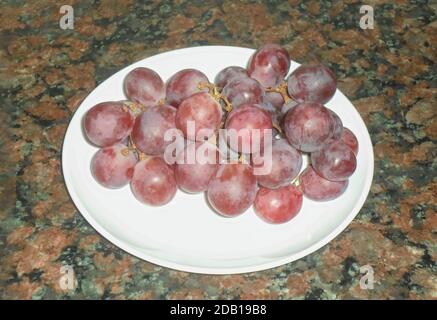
(133, 138)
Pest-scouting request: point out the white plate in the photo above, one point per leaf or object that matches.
(185, 234)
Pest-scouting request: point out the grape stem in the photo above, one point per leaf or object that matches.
(132, 146)
(215, 93)
(136, 108)
(282, 89)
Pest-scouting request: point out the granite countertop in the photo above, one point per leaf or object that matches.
(388, 72)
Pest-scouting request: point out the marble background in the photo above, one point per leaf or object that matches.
(389, 73)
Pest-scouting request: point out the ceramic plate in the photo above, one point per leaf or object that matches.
(186, 234)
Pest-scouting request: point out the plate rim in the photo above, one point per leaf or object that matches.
(131, 249)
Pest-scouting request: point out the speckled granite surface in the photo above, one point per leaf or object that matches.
(387, 72)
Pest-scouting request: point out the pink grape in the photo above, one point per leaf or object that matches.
(150, 127)
(308, 126)
(153, 182)
(233, 189)
(278, 205)
(350, 140)
(184, 84)
(275, 98)
(195, 176)
(338, 126)
(108, 123)
(243, 90)
(202, 110)
(228, 74)
(144, 86)
(269, 65)
(249, 122)
(286, 163)
(335, 161)
(318, 188)
(314, 82)
(113, 166)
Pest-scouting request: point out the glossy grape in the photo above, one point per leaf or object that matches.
(269, 65)
(233, 189)
(318, 188)
(314, 82)
(286, 163)
(113, 166)
(335, 161)
(150, 127)
(308, 126)
(248, 124)
(107, 123)
(350, 140)
(153, 182)
(184, 84)
(144, 86)
(202, 111)
(228, 74)
(275, 98)
(338, 126)
(196, 166)
(278, 205)
(242, 91)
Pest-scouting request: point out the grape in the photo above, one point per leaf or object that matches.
(228, 74)
(269, 65)
(243, 90)
(248, 125)
(150, 127)
(144, 86)
(350, 140)
(232, 190)
(286, 163)
(203, 111)
(278, 205)
(318, 188)
(308, 126)
(194, 176)
(275, 98)
(338, 126)
(153, 182)
(183, 84)
(290, 104)
(113, 166)
(314, 82)
(107, 123)
(335, 161)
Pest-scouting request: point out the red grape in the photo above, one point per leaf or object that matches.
(228, 74)
(335, 161)
(150, 127)
(350, 140)
(269, 65)
(107, 123)
(278, 205)
(275, 98)
(144, 86)
(285, 165)
(113, 166)
(243, 90)
(338, 125)
(153, 182)
(308, 126)
(233, 188)
(314, 82)
(183, 84)
(202, 111)
(194, 176)
(318, 188)
(246, 127)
